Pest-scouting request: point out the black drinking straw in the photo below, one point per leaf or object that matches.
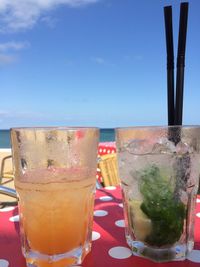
(181, 63)
(175, 118)
(170, 63)
(175, 113)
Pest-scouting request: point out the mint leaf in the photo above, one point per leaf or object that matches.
(159, 204)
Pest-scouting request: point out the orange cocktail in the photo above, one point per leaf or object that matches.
(56, 216)
(56, 202)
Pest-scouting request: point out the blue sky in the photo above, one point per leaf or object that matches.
(91, 62)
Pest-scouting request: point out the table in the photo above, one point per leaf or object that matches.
(109, 247)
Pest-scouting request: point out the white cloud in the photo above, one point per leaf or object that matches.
(102, 61)
(136, 57)
(7, 59)
(23, 14)
(98, 60)
(13, 46)
(15, 114)
(4, 112)
(49, 21)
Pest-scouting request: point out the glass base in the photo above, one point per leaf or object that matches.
(174, 253)
(70, 258)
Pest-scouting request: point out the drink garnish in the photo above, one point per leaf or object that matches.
(166, 212)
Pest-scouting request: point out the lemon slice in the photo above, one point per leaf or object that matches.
(141, 224)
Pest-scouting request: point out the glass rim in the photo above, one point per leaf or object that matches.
(154, 127)
(50, 128)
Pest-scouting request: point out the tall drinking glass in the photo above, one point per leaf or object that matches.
(55, 177)
(159, 169)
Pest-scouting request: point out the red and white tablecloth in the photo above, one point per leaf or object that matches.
(109, 248)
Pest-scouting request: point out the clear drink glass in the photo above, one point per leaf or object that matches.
(55, 178)
(159, 168)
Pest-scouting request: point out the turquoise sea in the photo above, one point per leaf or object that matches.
(106, 135)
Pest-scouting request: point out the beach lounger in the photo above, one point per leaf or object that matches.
(6, 176)
(6, 169)
(109, 171)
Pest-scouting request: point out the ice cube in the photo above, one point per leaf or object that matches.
(183, 148)
(164, 146)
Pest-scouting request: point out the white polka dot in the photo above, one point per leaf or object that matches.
(100, 213)
(95, 235)
(194, 256)
(104, 150)
(113, 151)
(4, 263)
(6, 209)
(108, 151)
(110, 187)
(121, 205)
(14, 218)
(105, 198)
(120, 223)
(198, 200)
(100, 150)
(120, 252)
(198, 214)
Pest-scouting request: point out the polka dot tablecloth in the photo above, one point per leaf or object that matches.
(106, 148)
(109, 248)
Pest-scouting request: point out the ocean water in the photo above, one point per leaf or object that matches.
(106, 135)
(4, 139)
